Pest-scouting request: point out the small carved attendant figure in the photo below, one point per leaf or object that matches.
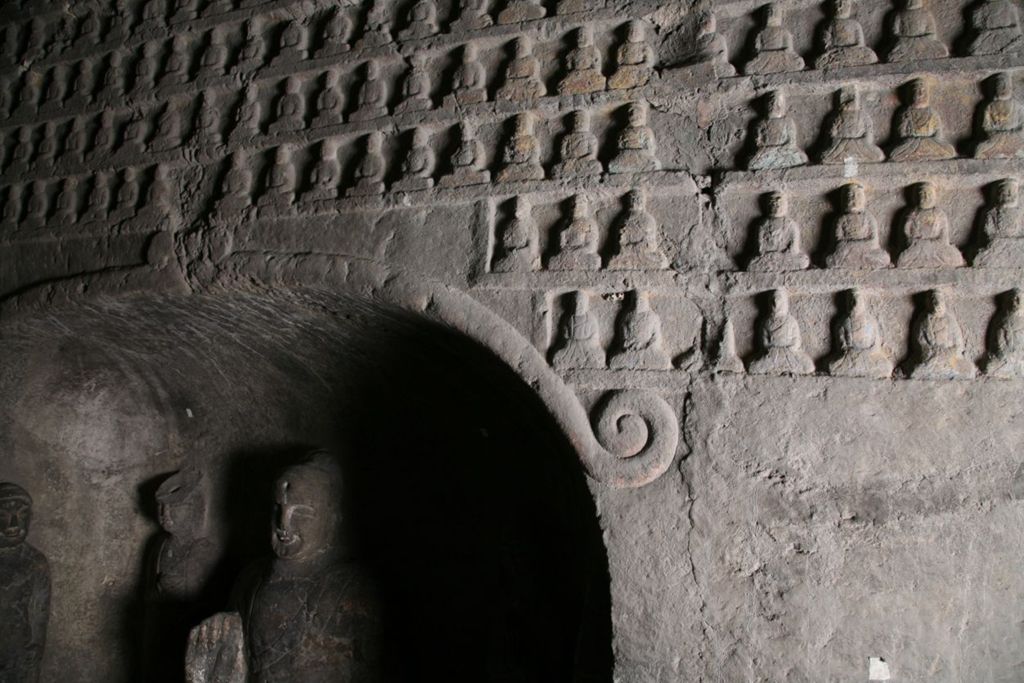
(577, 241)
(377, 33)
(36, 42)
(28, 95)
(279, 194)
(996, 28)
(247, 116)
(418, 165)
(336, 34)
(938, 343)
(857, 245)
(422, 21)
(522, 75)
(583, 66)
(521, 155)
(160, 198)
(636, 149)
(858, 339)
(415, 87)
(371, 101)
(291, 46)
(778, 239)
(9, 44)
(634, 59)
(920, 129)
(134, 141)
(325, 176)
(291, 108)
(468, 162)
(775, 141)
(782, 351)
(638, 244)
(1003, 228)
(215, 7)
(11, 215)
(80, 93)
(469, 84)
(176, 70)
(186, 556)
(103, 138)
(145, 70)
(215, 56)
(53, 93)
(579, 346)
(98, 204)
(168, 130)
(1005, 358)
(330, 103)
(773, 46)
(127, 200)
(120, 25)
(1002, 124)
(236, 189)
(66, 209)
(24, 590)
(112, 83)
(521, 10)
(206, 132)
(926, 228)
(578, 149)
(517, 251)
(6, 97)
(640, 345)
(251, 56)
(74, 143)
(46, 153)
(370, 172)
(473, 16)
(914, 35)
(35, 208)
(843, 40)
(21, 154)
(850, 133)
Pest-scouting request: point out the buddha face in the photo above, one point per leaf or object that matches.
(772, 16)
(1001, 87)
(637, 116)
(1014, 301)
(522, 48)
(636, 200)
(918, 94)
(776, 204)
(780, 302)
(180, 504)
(936, 302)
(583, 38)
(580, 121)
(926, 196)
(915, 4)
(636, 32)
(305, 514)
(843, 9)
(854, 199)
(1006, 193)
(776, 105)
(15, 515)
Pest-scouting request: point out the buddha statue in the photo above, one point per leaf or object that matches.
(6, 97)
(636, 150)
(926, 229)
(422, 21)
(74, 143)
(775, 137)
(579, 345)
(154, 17)
(335, 38)
(473, 16)
(520, 159)
(582, 65)
(370, 171)
(98, 203)
(937, 343)
(577, 240)
(184, 10)
(134, 141)
(291, 46)
(308, 613)
(236, 188)
(120, 25)
(168, 130)
(1002, 228)
(25, 586)
(53, 93)
(637, 244)
(710, 47)
(842, 41)
(415, 87)
(517, 11)
(35, 207)
(578, 149)
(995, 28)
(1002, 124)
(279, 193)
(377, 32)
(516, 250)
(634, 60)
(727, 360)
(9, 41)
(144, 75)
(215, 56)
(112, 83)
(522, 80)
(206, 132)
(247, 116)
(325, 177)
(469, 83)
(639, 339)
(418, 165)
(28, 96)
(80, 92)
(185, 555)
(46, 153)
(176, 68)
(35, 44)
(468, 162)
(781, 349)
(90, 32)
(160, 197)
(1005, 357)
(127, 200)
(21, 155)
(103, 137)
(858, 343)
(914, 36)
(850, 134)
(291, 108)
(371, 102)
(778, 239)
(10, 213)
(919, 129)
(856, 231)
(773, 46)
(330, 103)
(252, 53)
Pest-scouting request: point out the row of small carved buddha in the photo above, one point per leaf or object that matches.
(918, 131)
(924, 227)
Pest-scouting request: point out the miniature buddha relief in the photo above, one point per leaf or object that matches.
(578, 149)
(995, 26)
(919, 129)
(10, 214)
(850, 133)
(775, 137)
(520, 158)
(134, 140)
(517, 11)
(74, 143)
(9, 44)
(516, 250)
(579, 346)
(330, 103)
(184, 10)
(469, 83)
(637, 243)
(858, 350)
(468, 162)
(325, 177)
(926, 229)
(206, 132)
(727, 360)
(937, 343)
(842, 41)
(35, 207)
(80, 92)
(377, 32)
(25, 590)
(103, 138)
(291, 46)
(291, 108)
(781, 349)
(185, 555)
(247, 116)
(577, 240)
(415, 87)
(582, 66)
(21, 155)
(473, 16)
(773, 46)
(98, 203)
(710, 47)
(112, 82)
(252, 53)
(1002, 228)
(636, 150)
(35, 44)
(914, 36)
(215, 56)
(46, 153)
(778, 238)
(176, 68)
(639, 343)
(279, 192)
(418, 165)
(371, 102)
(144, 76)
(634, 60)
(127, 199)
(168, 130)
(856, 245)
(370, 171)
(334, 40)
(522, 80)
(120, 25)
(309, 613)
(1005, 357)
(1002, 123)
(6, 97)
(422, 21)
(160, 197)
(53, 93)
(28, 96)
(236, 189)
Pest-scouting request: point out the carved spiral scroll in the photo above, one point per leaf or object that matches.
(639, 432)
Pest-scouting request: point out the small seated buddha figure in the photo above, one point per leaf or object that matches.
(727, 360)
(53, 93)
(252, 53)
(469, 83)
(579, 345)
(577, 240)
(639, 339)
(781, 346)
(168, 130)
(121, 19)
(9, 41)
(98, 203)
(325, 176)
(773, 46)
(28, 96)
(36, 43)
(184, 10)
(926, 228)
(636, 150)
(330, 103)
(637, 244)
(134, 141)
(919, 129)
(291, 108)
(236, 188)
(21, 155)
(418, 165)
(517, 11)
(291, 46)
(161, 198)
(583, 66)
(90, 31)
(144, 74)
(521, 155)
(710, 47)
(578, 149)
(522, 75)
(377, 32)
(46, 153)
(279, 194)
(35, 207)
(416, 87)
(995, 26)
(112, 82)
(937, 342)
(516, 250)
(473, 16)
(634, 60)
(10, 214)
(778, 239)
(103, 138)
(1002, 125)
(74, 143)
(1002, 228)
(154, 17)
(856, 233)
(914, 36)
(468, 162)
(247, 116)
(206, 132)
(422, 21)
(1005, 357)
(336, 34)
(775, 137)
(851, 137)
(370, 172)
(858, 343)
(215, 56)
(371, 101)
(176, 69)
(843, 40)
(127, 200)
(80, 92)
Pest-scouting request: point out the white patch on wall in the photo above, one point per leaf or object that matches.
(878, 670)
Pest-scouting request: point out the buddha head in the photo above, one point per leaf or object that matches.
(327, 151)
(579, 121)
(372, 70)
(217, 37)
(181, 503)
(926, 195)
(253, 30)
(775, 101)
(524, 124)
(936, 302)
(1002, 87)
(581, 303)
(252, 92)
(637, 115)
(417, 62)
(307, 509)
(12, 207)
(15, 515)
(641, 301)
(420, 138)
(338, 26)
(707, 24)
(780, 303)
(465, 132)
(1006, 193)
(842, 9)
(775, 204)
(421, 11)
(635, 32)
(523, 209)
(1013, 301)
(580, 207)
(584, 36)
(772, 16)
(848, 98)
(854, 198)
(521, 47)
(178, 45)
(857, 303)
(469, 53)
(282, 156)
(375, 142)
(635, 201)
(292, 85)
(919, 93)
(915, 4)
